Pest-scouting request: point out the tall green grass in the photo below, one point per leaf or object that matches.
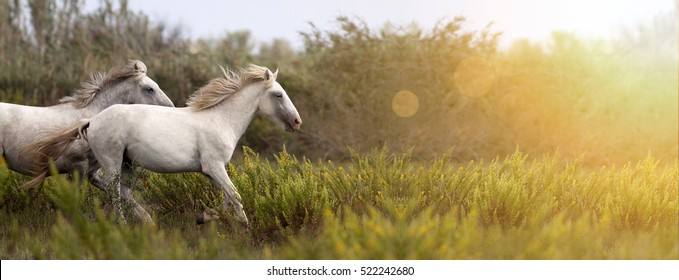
(377, 206)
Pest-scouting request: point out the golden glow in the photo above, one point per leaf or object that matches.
(405, 104)
(474, 76)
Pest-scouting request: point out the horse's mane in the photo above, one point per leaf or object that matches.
(98, 82)
(219, 89)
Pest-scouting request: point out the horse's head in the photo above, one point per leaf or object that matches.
(127, 84)
(145, 90)
(276, 105)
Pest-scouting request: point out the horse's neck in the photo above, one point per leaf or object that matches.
(71, 111)
(236, 113)
(107, 98)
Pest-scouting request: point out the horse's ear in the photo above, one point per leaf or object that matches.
(267, 74)
(275, 74)
(138, 66)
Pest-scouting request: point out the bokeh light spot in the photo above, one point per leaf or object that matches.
(474, 76)
(405, 104)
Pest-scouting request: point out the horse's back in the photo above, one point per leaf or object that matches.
(13, 119)
(32, 121)
(132, 116)
(21, 125)
(158, 138)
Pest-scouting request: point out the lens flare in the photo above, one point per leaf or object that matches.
(405, 104)
(474, 76)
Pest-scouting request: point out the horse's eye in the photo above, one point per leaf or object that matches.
(149, 89)
(279, 95)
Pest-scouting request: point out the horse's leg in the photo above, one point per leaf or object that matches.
(74, 161)
(235, 199)
(126, 181)
(112, 163)
(220, 179)
(96, 176)
(77, 172)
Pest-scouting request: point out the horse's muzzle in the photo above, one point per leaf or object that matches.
(293, 125)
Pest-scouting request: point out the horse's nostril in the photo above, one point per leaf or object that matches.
(297, 121)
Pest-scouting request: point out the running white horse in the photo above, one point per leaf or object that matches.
(21, 126)
(197, 138)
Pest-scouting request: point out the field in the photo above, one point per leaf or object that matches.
(378, 206)
(562, 149)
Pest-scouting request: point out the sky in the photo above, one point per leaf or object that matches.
(530, 19)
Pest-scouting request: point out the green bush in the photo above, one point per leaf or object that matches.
(612, 102)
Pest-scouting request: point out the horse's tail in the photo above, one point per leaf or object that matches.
(41, 153)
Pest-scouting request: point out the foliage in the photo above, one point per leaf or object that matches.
(611, 101)
(350, 76)
(48, 47)
(595, 120)
(380, 206)
(569, 95)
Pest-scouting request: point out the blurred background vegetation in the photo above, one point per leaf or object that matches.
(463, 191)
(609, 102)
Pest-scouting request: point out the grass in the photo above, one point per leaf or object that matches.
(376, 206)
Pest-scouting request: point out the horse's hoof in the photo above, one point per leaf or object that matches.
(201, 219)
(204, 218)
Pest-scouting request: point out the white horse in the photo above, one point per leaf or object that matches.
(197, 138)
(21, 126)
